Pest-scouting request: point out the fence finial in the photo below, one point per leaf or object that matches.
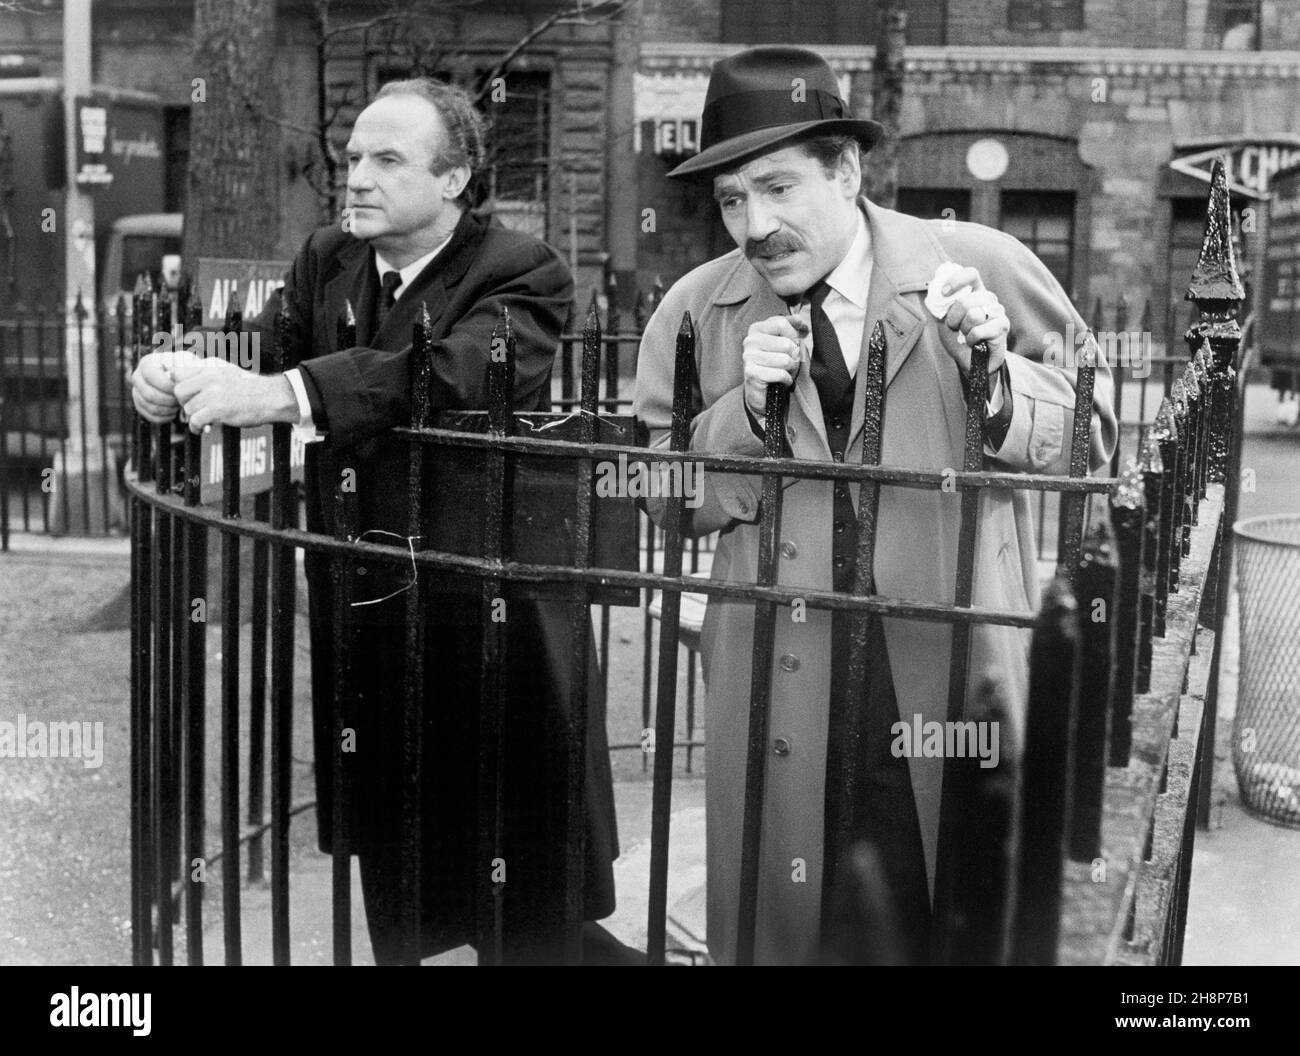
(1215, 279)
(347, 326)
(234, 315)
(501, 377)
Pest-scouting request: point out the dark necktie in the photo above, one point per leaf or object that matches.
(827, 371)
(387, 297)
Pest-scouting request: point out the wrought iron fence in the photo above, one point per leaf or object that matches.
(65, 418)
(1119, 739)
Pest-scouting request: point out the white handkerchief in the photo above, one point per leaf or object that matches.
(936, 302)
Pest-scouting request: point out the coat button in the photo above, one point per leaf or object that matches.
(837, 423)
(839, 527)
(790, 432)
(789, 550)
(744, 506)
(839, 561)
(781, 746)
(841, 492)
(789, 662)
(838, 456)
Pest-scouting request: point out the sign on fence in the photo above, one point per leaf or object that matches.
(252, 280)
(254, 463)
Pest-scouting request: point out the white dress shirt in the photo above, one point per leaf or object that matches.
(846, 308)
(846, 305)
(305, 429)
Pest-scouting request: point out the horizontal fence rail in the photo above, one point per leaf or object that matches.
(1076, 848)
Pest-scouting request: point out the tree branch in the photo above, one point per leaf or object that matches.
(577, 15)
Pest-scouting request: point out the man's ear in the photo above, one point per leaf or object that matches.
(850, 173)
(457, 180)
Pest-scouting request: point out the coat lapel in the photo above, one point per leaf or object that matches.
(354, 279)
(430, 286)
(746, 288)
(350, 280)
(904, 257)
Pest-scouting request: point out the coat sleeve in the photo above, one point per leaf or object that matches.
(364, 391)
(722, 428)
(1043, 325)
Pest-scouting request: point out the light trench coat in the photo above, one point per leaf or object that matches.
(916, 548)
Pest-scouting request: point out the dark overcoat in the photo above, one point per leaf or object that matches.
(356, 394)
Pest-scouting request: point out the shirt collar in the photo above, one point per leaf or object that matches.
(852, 275)
(411, 270)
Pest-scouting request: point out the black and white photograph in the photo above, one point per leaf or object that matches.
(675, 483)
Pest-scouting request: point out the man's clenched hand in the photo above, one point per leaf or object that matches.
(773, 354)
(976, 315)
(152, 386)
(212, 391)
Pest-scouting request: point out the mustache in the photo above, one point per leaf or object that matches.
(772, 245)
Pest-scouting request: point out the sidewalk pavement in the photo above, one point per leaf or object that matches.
(1244, 903)
(311, 924)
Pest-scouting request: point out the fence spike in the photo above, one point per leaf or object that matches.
(592, 340)
(1152, 469)
(501, 376)
(346, 326)
(234, 315)
(1097, 578)
(1215, 278)
(1164, 433)
(985, 857)
(1127, 514)
(282, 331)
(1183, 502)
(421, 382)
(1048, 771)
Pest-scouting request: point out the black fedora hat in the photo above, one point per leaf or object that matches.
(763, 97)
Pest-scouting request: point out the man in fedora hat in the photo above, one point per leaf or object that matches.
(816, 267)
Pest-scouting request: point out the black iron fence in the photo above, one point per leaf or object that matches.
(61, 463)
(1076, 849)
(65, 416)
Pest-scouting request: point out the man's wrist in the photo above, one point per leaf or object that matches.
(282, 403)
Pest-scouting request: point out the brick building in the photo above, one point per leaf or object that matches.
(553, 119)
(1073, 124)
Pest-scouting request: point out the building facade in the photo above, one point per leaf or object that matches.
(1083, 127)
(552, 112)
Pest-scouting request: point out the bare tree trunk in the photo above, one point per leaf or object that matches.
(888, 73)
(234, 190)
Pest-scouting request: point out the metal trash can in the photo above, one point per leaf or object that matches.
(1266, 729)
